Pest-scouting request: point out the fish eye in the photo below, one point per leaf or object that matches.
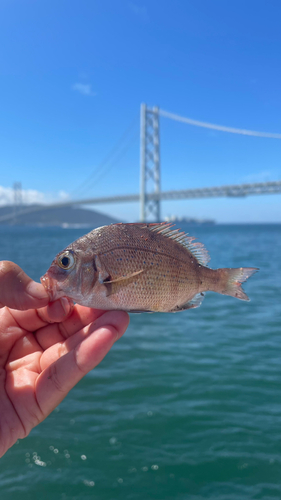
(66, 260)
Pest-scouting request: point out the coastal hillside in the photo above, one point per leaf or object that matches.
(63, 216)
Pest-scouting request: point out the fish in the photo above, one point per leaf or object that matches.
(140, 267)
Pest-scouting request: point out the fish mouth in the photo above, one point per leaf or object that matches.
(50, 286)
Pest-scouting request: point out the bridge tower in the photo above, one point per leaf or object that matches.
(149, 163)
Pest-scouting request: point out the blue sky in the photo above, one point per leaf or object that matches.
(73, 75)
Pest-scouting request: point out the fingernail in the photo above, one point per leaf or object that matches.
(36, 290)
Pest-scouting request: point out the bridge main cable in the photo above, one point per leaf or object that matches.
(221, 128)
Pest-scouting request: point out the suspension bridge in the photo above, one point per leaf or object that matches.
(151, 195)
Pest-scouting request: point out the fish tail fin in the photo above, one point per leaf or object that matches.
(232, 279)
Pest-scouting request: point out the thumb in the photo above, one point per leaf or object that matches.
(18, 291)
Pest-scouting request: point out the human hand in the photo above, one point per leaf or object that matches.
(45, 349)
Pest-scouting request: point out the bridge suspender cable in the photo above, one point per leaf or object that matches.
(221, 128)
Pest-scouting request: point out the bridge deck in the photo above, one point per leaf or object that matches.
(238, 190)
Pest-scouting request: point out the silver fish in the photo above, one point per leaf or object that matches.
(139, 268)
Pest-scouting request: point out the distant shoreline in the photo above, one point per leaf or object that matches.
(93, 226)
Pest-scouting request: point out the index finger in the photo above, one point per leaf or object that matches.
(19, 291)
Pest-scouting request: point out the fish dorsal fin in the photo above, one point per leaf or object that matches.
(195, 247)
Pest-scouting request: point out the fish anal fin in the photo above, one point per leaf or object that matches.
(196, 301)
(139, 311)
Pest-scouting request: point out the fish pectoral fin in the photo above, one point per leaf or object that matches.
(123, 278)
(113, 285)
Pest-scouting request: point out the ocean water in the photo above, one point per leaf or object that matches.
(186, 406)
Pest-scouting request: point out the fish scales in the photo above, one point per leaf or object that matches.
(159, 283)
(139, 267)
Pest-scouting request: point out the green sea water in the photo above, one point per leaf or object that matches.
(186, 406)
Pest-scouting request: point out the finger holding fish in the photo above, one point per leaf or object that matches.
(65, 363)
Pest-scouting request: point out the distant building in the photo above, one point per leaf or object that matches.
(189, 220)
